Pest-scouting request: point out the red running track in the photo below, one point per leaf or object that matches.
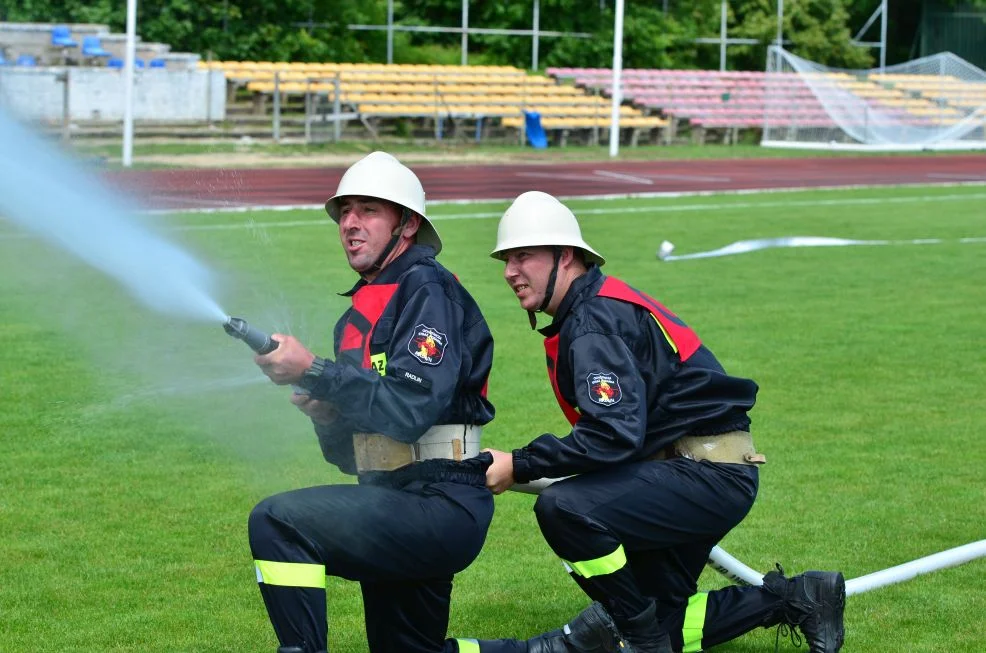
(228, 188)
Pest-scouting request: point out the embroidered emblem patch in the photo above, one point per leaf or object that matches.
(427, 344)
(604, 388)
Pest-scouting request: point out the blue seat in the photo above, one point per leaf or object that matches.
(3, 60)
(535, 132)
(158, 63)
(62, 37)
(93, 47)
(26, 60)
(117, 62)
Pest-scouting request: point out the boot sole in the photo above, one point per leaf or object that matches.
(834, 604)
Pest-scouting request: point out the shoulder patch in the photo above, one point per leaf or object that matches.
(427, 344)
(604, 388)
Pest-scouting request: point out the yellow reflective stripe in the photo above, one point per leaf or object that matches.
(290, 574)
(600, 566)
(378, 363)
(468, 645)
(667, 336)
(692, 629)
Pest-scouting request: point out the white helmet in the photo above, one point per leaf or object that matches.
(536, 219)
(382, 176)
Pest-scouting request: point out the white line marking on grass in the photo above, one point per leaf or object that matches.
(663, 208)
(243, 208)
(193, 200)
(254, 225)
(606, 196)
(956, 175)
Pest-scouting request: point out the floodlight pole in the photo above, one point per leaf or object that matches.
(722, 37)
(390, 31)
(780, 23)
(128, 84)
(465, 32)
(883, 35)
(536, 24)
(617, 95)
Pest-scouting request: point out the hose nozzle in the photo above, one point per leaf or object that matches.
(257, 340)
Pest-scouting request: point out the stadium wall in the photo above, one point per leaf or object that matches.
(96, 94)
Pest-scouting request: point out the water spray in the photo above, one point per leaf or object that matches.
(256, 339)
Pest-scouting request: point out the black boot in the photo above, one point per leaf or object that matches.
(591, 631)
(814, 602)
(642, 634)
(553, 642)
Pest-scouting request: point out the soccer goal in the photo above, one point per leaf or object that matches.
(937, 102)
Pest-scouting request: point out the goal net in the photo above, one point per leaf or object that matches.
(937, 102)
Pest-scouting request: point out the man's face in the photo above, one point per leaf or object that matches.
(526, 271)
(366, 225)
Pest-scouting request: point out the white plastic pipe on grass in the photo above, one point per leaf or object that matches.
(741, 574)
(949, 558)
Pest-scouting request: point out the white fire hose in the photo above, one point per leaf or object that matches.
(741, 574)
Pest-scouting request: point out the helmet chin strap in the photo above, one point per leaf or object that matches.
(549, 290)
(394, 239)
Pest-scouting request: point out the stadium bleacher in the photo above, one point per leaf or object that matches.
(55, 44)
(731, 101)
(656, 104)
(436, 92)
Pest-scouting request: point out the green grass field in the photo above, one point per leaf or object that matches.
(135, 444)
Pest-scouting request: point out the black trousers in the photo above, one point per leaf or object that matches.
(642, 533)
(709, 619)
(401, 538)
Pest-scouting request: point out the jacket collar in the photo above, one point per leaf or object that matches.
(393, 271)
(581, 289)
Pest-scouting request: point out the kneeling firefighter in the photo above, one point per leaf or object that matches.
(659, 464)
(402, 407)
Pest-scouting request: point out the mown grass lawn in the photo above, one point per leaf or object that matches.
(134, 444)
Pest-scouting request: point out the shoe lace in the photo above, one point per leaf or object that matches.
(785, 629)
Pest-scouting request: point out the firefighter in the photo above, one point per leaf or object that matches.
(660, 462)
(402, 407)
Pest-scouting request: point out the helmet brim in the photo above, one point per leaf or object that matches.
(427, 234)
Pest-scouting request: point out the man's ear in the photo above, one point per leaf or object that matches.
(411, 226)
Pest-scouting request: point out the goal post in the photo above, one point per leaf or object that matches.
(936, 102)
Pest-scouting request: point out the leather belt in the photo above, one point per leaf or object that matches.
(378, 452)
(734, 447)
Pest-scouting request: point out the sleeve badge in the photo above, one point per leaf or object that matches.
(427, 344)
(604, 388)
